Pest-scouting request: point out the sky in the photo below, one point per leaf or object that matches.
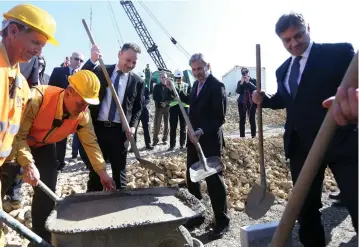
(225, 31)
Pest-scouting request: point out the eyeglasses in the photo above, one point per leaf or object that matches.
(78, 59)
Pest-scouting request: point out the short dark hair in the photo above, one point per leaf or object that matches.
(131, 46)
(289, 20)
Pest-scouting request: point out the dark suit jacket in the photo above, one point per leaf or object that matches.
(161, 94)
(251, 87)
(323, 73)
(133, 98)
(207, 112)
(30, 71)
(59, 77)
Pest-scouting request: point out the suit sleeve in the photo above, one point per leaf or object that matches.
(137, 105)
(219, 108)
(53, 80)
(89, 65)
(273, 101)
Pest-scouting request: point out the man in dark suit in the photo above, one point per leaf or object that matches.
(208, 103)
(145, 116)
(111, 136)
(58, 78)
(309, 76)
(245, 88)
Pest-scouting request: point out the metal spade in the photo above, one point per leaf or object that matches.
(205, 167)
(259, 200)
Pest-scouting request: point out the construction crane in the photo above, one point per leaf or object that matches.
(145, 36)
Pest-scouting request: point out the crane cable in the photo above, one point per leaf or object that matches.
(114, 22)
(173, 40)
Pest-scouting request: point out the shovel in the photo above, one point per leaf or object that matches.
(22, 230)
(205, 167)
(146, 163)
(312, 164)
(259, 200)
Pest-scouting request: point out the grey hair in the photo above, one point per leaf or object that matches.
(197, 57)
(289, 20)
(131, 46)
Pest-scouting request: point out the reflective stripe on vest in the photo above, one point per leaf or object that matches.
(183, 88)
(5, 153)
(45, 128)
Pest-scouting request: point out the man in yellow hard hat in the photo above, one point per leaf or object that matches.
(25, 30)
(52, 115)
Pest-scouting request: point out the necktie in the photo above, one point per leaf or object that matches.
(112, 112)
(293, 77)
(199, 87)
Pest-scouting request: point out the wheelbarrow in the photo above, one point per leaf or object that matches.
(148, 217)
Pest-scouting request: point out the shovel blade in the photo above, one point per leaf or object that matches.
(259, 201)
(150, 165)
(198, 173)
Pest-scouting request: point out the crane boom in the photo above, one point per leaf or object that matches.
(145, 36)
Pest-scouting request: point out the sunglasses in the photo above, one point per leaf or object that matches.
(78, 59)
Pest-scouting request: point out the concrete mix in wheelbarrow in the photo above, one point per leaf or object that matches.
(123, 211)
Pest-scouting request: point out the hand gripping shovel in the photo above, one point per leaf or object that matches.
(124, 122)
(259, 200)
(205, 167)
(312, 164)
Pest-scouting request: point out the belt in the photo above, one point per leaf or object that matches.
(108, 124)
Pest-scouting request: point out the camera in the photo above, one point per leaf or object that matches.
(244, 72)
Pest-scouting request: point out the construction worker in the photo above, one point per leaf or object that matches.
(148, 77)
(184, 90)
(52, 115)
(25, 31)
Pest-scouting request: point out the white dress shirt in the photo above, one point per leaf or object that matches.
(302, 64)
(106, 103)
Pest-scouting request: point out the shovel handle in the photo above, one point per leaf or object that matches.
(22, 230)
(123, 119)
(190, 127)
(260, 120)
(49, 192)
(312, 164)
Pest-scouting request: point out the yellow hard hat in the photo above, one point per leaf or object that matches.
(36, 18)
(87, 85)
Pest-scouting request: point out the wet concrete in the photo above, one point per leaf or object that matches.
(139, 217)
(119, 210)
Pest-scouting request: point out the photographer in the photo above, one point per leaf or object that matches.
(245, 88)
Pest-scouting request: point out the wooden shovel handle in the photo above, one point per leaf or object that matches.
(259, 117)
(109, 82)
(312, 164)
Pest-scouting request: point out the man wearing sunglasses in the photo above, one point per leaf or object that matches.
(58, 78)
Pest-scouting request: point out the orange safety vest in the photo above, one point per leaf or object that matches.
(46, 128)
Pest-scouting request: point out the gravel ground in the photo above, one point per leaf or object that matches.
(338, 227)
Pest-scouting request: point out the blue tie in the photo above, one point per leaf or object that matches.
(113, 108)
(293, 77)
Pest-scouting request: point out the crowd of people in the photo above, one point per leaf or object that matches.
(76, 100)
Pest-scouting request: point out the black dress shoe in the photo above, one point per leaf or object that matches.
(195, 222)
(219, 231)
(149, 147)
